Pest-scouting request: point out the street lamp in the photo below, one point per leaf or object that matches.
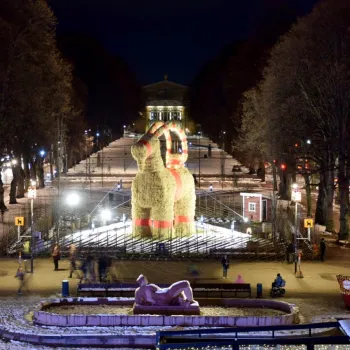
(296, 197)
(73, 199)
(32, 196)
(199, 159)
(42, 153)
(97, 136)
(106, 215)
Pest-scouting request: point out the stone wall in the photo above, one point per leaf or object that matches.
(291, 316)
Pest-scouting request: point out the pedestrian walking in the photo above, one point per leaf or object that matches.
(225, 266)
(56, 255)
(89, 269)
(72, 259)
(26, 255)
(322, 249)
(20, 275)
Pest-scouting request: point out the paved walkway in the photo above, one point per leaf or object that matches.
(319, 278)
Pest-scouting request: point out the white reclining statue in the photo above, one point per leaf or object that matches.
(178, 294)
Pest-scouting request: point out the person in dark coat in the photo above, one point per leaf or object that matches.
(322, 249)
(20, 275)
(225, 266)
(209, 150)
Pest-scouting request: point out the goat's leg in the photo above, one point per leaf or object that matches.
(141, 221)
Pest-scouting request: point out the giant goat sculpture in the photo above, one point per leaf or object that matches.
(163, 197)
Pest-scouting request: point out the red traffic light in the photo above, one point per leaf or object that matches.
(283, 166)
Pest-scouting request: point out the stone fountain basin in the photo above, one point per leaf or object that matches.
(42, 317)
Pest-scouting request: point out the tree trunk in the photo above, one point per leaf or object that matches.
(40, 173)
(285, 185)
(32, 170)
(262, 172)
(2, 199)
(26, 161)
(330, 199)
(321, 204)
(20, 183)
(343, 183)
(13, 186)
(308, 195)
(274, 177)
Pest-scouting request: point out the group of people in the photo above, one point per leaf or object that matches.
(225, 266)
(86, 270)
(278, 282)
(317, 251)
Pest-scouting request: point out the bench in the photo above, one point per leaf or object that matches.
(222, 289)
(122, 289)
(110, 289)
(199, 289)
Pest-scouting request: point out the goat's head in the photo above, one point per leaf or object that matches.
(146, 147)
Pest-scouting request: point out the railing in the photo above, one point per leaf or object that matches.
(210, 240)
(236, 337)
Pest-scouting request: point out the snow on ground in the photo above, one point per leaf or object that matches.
(14, 311)
(117, 159)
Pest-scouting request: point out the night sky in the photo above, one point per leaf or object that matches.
(164, 36)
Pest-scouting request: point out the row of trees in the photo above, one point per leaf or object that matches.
(39, 107)
(51, 87)
(297, 111)
(216, 92)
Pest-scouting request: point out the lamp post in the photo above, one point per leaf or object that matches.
(296, 198)
(199, 159)
(31, 196)
(223, 160)
(97, 136)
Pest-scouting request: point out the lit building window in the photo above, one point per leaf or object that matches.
(251, 206)
(166, 116)
(154, 116)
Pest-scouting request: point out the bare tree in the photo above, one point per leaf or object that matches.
(306, 95)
